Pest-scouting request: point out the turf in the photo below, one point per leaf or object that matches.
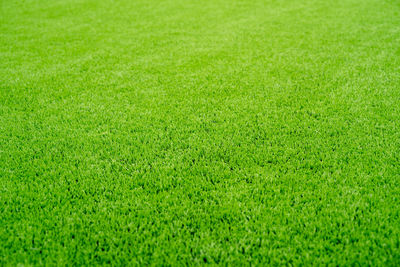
(178, 132)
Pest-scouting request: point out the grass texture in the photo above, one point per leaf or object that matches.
(180, 132)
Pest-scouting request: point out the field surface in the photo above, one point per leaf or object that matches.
(180, 132)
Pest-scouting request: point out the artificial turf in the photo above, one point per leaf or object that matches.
(180, 132)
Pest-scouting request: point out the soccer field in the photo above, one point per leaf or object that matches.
(182, 132)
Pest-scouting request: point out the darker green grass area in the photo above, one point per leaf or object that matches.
(179, 132)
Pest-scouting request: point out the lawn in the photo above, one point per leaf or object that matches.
(181, 132)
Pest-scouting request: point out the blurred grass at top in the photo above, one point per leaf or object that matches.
(184, 132)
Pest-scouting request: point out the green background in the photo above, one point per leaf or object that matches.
(190, 132)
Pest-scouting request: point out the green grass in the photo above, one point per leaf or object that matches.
(179, 132)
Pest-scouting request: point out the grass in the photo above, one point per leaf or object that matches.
(178, 132)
